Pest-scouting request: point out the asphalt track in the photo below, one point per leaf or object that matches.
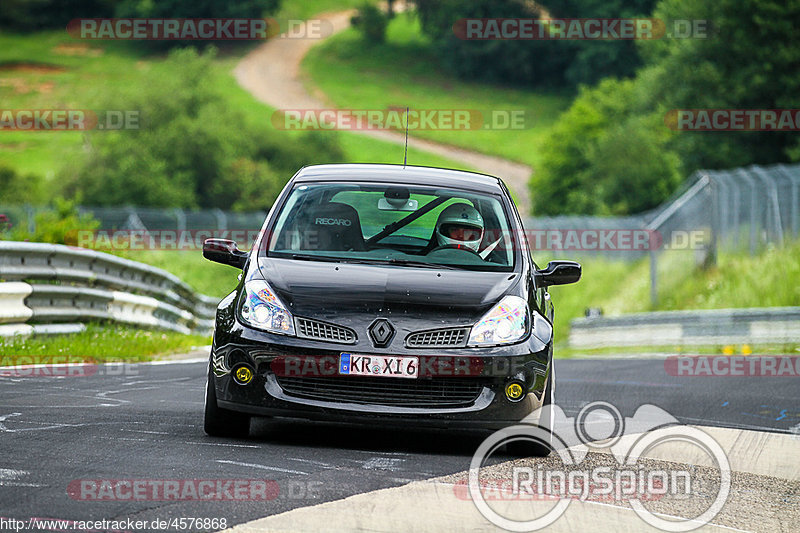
(145, 422)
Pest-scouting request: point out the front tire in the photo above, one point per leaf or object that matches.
(219, 422)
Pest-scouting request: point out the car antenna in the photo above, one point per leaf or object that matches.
(405, 151)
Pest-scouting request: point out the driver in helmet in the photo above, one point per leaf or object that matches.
(460, 226)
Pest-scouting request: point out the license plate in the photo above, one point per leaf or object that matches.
(387, 366)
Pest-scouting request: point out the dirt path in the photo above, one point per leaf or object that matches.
(272, 74)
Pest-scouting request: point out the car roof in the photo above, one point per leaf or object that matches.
(438, 177)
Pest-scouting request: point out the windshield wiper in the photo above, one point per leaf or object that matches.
(421, 264)
(368, 261)
(324, 258)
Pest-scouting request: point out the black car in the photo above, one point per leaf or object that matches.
(383, 294)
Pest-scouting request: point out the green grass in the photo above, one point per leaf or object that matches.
(565, 352)
(50, 70)
(599, 282)
(405, 71)
(770, 279)
(306, 9)
(357, 148)
(99, 343)
(204, 276)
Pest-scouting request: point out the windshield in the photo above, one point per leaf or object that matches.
(406, 225)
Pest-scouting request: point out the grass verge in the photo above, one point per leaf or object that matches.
(404, 71)
(738, 280)
(204, 276)
(50, 70)
(755, 350)
(99, 343)
(304, 10)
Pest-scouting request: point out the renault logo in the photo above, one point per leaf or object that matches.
(381, 332)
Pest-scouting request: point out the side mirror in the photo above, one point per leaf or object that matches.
(225, 252)
(558, 273)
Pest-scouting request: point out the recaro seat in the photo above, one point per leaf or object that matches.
(337, 228)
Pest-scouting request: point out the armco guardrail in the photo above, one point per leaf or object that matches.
(768, 325)
(45, 286)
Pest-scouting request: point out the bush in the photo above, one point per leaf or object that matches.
(748, 61)
(191, 149)
(240, 9)
(57, 225)
(611, 151)
(371, 22)
(540, 63)
(197, 8)
(605, 157)
(18, 189)
(29, 15)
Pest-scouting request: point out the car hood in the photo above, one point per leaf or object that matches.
(328, 291)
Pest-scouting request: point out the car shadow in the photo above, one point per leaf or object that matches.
(314, 434)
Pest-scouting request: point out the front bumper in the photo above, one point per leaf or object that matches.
(484, 370)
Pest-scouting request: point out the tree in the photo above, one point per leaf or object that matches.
(191, 149)
(750, 60)
(539, 63)
(611, 152)
(605, 156)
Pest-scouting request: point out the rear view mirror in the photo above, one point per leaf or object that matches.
(558, 273)
(397, 199)
(385, 204)
(225, 252)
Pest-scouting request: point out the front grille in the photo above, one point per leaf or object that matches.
(398, 392)
(322, 331)
(438, 338)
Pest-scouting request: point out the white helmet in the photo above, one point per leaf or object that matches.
(460, 225)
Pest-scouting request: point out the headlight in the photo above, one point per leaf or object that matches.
(505, 323)
(263, 310)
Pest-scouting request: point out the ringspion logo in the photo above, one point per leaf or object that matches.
(598, 425)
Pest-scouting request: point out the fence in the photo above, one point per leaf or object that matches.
(744, 209)
(770, 325)
(91, 286)
(735, 210)
(146, 218)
